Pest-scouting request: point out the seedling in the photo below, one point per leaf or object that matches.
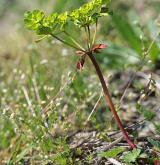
(87, 16)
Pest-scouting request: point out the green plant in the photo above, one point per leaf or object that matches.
(131, 156)
(56, 26)
(155, 143)
(111, 153)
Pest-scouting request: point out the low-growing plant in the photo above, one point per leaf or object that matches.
(132, 156)
(56, 25)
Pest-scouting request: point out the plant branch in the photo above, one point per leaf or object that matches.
(87, 35)
(142, 62)
(109, 100)
(95, 106)
(95, 33)
(74, 41)
(64, 42)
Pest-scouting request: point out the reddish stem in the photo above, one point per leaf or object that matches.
(156, 162)
(109, 100)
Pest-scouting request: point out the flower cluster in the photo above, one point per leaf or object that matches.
(44, 25)
(54, 23)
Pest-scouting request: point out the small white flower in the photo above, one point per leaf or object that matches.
(4, 90)
(64, 52)
(43, 102)
(22, 76)
(12, 116)
(44, 61)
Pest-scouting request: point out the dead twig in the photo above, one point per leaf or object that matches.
(28, 100)
(113, 144)
(95, 106)
(114, 161)
(142, 62)
(46, 108)
(110, 146)
(135, 126)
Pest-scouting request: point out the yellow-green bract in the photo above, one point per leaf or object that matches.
(86, 15)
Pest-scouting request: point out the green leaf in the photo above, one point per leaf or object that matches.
(155, 49)
(114, 56)
(127, 32)
(155, 143)
(131, 156)
(24, 152)
(60, 160)
(157, 127)
(43, 30)
(149, 115)
(112, 153)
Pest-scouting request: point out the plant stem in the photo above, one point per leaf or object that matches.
(74, 41)
(87, 36)
(95, 33)
(109, 100)
(64, 42)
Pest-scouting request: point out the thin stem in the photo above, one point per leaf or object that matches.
(142, 62)
(59, 39)
(89, 36)
(95, 33)
(38, 40)
(109, 100)
(95, 106)
(74, 41)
